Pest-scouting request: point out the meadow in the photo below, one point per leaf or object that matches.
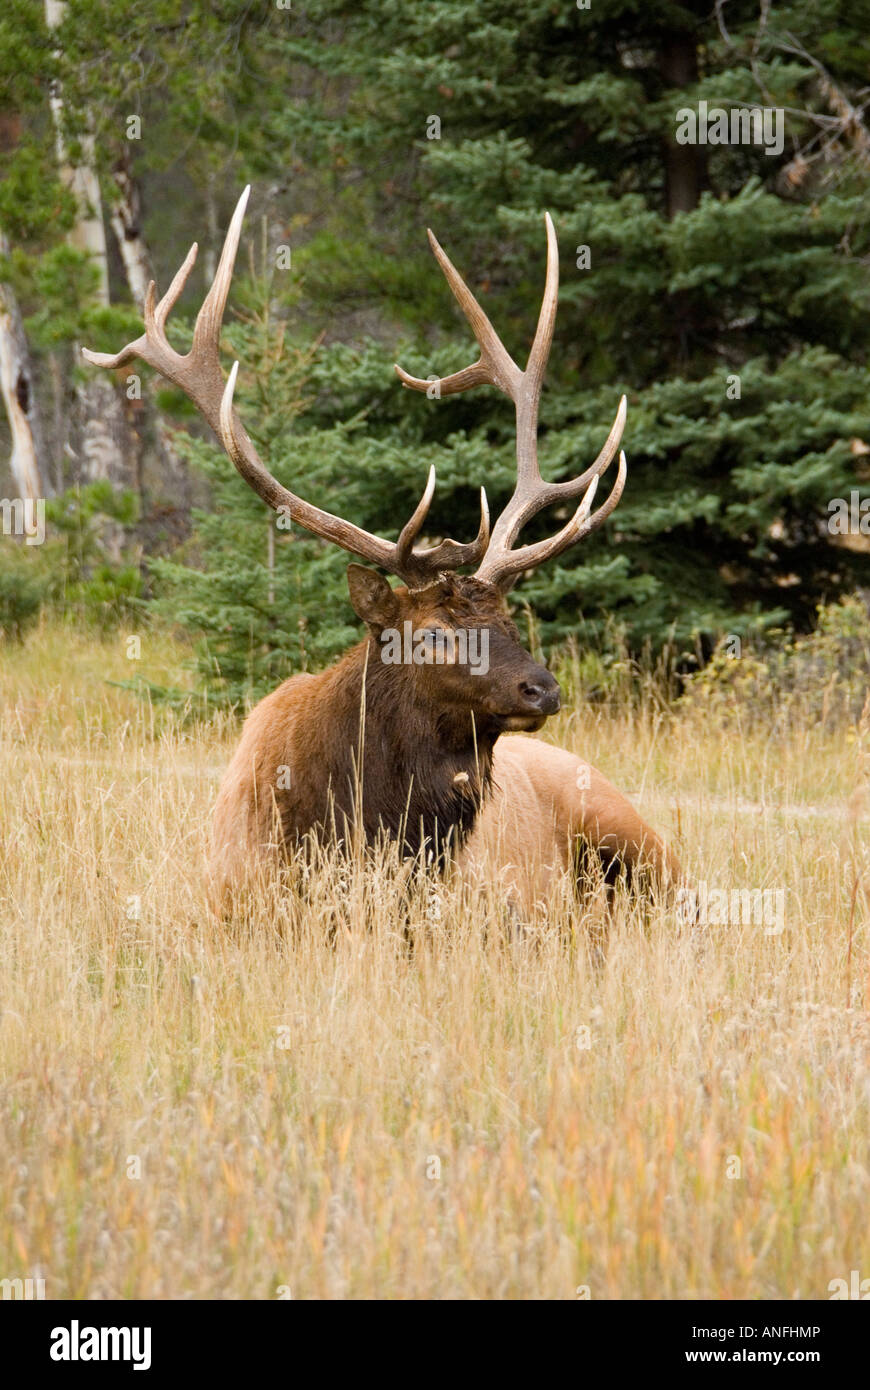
(297, 1105)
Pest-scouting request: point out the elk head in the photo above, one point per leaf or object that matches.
(458, 652)
(436, 607)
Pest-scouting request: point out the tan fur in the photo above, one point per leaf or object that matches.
(419, 768)
(244, 824)
(527, 831)
(525, 835)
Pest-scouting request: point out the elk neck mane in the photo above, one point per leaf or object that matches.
(425, 769)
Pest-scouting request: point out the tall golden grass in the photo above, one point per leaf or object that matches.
(299, 1105)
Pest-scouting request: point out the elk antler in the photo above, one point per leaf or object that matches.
(198, 374)
(495, 367)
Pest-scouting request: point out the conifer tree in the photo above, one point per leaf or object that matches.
(723, 287)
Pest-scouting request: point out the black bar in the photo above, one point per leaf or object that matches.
(223, 1338)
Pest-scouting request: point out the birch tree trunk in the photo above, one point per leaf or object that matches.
(102, 443)
(126, 219)
(88, 234)
(27, 461)
(19, 398)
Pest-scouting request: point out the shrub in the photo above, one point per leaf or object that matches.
(822, 675)
(22, 592)
(80, 571)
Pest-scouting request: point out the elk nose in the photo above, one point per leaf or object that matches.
(542, 693)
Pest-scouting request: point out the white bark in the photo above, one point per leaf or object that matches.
(103, 436)
(126, 218)
(19, 398)
(27, 461)
(88, 234)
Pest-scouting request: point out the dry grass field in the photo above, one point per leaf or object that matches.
(299, 1106)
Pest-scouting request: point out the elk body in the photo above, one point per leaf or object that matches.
(415, 764)
(551, 814)
(426, 749)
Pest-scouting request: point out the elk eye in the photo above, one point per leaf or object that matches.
(437, 643)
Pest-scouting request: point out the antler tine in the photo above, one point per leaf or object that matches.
(531, 496)
(503, 567)
(539, 355)
(198, 373)
(495, 360)
(475, 375)
(411, 530)
(448, 554)
(116, 359)
(207, 332)
(159, 315)
(494, 367)
(572, 486)
(531, 493)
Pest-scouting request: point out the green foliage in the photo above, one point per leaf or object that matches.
(34, 204)
(79, 570)
(333, 424)
(22, 592)
(257, 621)
(739, 330)
(111, 594)
(824, 675)
(92, 581)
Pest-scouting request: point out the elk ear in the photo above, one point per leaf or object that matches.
(371, 598)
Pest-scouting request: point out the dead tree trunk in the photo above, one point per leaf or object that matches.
(685, 165)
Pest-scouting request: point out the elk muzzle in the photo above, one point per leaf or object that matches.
(537, 697)
(542, 693)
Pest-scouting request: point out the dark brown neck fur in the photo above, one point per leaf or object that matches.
(424, 773)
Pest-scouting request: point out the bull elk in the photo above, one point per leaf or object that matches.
(431, 752)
